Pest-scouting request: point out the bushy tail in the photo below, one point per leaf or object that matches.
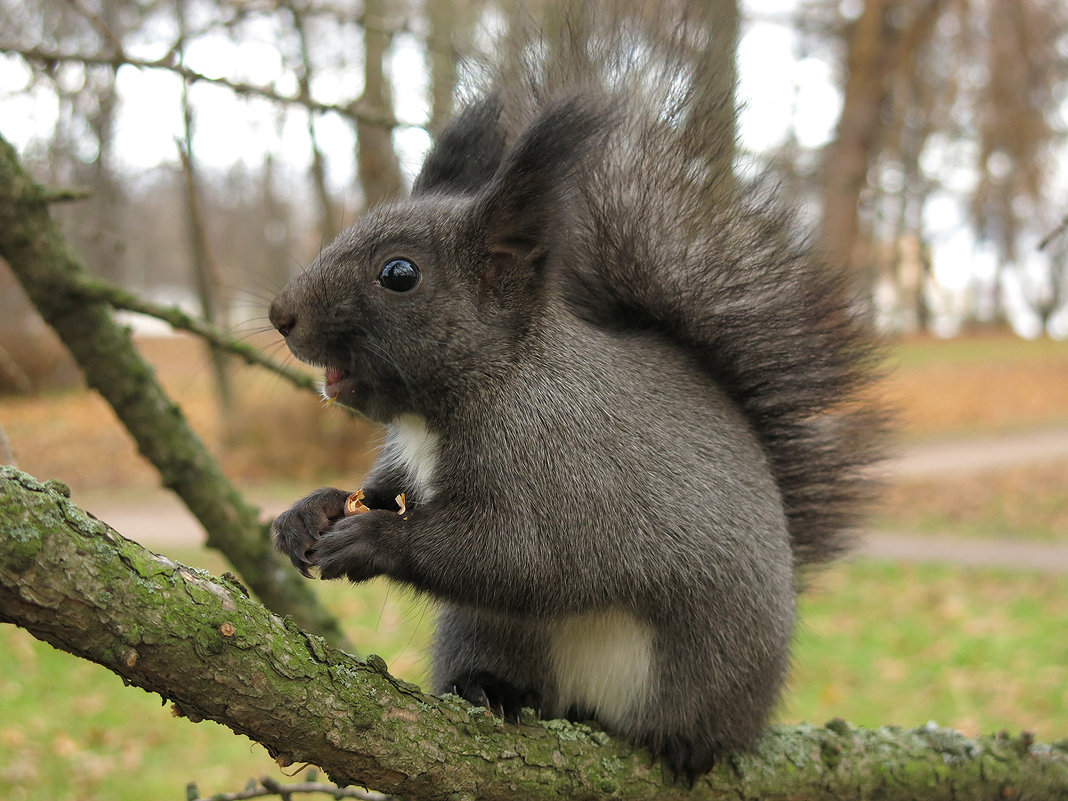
(661, 236)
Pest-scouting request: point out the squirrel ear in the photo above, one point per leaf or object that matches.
(467, 152)
(520, 204)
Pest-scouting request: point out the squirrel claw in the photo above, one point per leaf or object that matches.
(498, 696)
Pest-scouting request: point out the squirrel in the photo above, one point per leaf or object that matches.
(627, 406)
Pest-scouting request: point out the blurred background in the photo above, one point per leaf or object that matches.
(220, 143)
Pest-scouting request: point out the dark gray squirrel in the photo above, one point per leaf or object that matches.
(626, 404)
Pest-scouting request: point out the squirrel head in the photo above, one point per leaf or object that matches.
(426, 302)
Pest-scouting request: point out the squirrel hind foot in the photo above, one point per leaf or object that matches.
(686, 758)
(498, 696)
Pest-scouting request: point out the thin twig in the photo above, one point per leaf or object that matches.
(66, 194)
(1060, 229)
(95, 289)
(269, 786)
(354, 111)
(101, 27)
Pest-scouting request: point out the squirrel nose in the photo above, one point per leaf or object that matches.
(282, 319)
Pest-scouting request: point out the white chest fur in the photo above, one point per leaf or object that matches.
(414, 447)
(601, 662)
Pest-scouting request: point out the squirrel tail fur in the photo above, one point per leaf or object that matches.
(663, 237)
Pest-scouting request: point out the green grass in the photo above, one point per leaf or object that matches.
(990, 522)
(974, 350)
(879, 643)
(980, 650)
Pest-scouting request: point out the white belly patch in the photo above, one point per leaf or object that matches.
(415, 448)
(601, 662)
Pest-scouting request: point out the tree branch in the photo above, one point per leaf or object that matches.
(201, 642)
(38, 256)
(268, 787)
(94, 289)
(67, 194)
(1060, 229)
(356, 111)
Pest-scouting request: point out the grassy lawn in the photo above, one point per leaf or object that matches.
(976, 650)
(879, 643)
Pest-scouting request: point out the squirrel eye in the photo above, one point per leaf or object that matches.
(399, 275)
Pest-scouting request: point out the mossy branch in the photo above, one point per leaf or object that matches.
(39, 258)
(203, 643)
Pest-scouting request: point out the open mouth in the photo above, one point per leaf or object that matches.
(334, 382)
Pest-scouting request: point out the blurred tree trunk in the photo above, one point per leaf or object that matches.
(449, 24)
(205, 274)
(849, 155)
(276, 229)
(1023, 62)
(7, 455)
(328, 222)
(884, 37)
(377, 163)
(105, 250)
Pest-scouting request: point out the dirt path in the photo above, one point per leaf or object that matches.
(972, 552)
(978, 454)
(157, 520)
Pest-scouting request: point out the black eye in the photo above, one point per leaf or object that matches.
(399, 275)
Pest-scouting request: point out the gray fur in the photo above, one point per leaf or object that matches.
(641, 394)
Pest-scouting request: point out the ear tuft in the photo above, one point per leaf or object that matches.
(467, 153)
(521, 203)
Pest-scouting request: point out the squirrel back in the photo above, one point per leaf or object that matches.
(660, 238)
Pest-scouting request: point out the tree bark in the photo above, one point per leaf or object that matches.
(37, 254)
(328, 223)
(877, 47)
(376, 161)
(201, 642)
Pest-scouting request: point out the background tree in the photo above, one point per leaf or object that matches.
(950, 97)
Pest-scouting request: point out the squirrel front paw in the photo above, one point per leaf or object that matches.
(358, 547)
(297, 531)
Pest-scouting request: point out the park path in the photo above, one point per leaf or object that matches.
(975, 455)
(964, 457)
(157, 520)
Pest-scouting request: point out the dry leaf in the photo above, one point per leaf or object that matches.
(401, 502)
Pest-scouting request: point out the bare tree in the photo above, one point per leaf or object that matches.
(923, 76)
(378, 165)
(205, 274)
(883, 38)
